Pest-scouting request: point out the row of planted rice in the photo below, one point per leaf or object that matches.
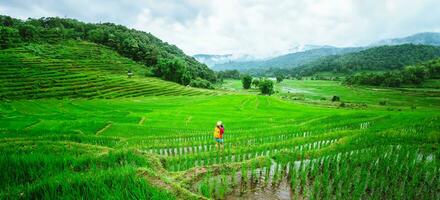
(89, 71)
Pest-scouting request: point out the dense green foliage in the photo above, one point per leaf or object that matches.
(246, 80)
(201, 83)
(165, 60)
(415, 75)
(228, 74)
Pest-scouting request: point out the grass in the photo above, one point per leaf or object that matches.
(155, 142)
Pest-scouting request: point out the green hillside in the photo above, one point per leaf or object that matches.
(162, 59)
(75, 69)
(383, 58)
(378, 58)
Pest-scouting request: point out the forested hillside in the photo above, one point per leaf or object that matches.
(381, 58)
(162, 59)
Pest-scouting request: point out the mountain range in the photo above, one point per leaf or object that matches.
(426, 38)
(217, 59)
(300, 56)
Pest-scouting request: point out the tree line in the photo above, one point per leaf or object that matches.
(228, 74)
(164, 60)
(413, 74)
(264, 85)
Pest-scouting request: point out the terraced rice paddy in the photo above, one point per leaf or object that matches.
(78, 70)
(74, 126)
(162, 147)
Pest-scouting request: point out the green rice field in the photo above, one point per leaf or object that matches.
(162, 147)
(75, 126)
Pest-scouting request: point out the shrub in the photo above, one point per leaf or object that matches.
(266, 87)
(255, 82)
(247, 81)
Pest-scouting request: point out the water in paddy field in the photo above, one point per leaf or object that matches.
(263, 189)
(294, 90)
(281, 191)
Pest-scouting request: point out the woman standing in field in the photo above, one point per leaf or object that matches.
(218, 134)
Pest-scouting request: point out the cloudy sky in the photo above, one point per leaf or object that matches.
(258, 27)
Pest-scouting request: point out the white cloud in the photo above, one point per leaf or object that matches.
(261, 27)
(250, 26)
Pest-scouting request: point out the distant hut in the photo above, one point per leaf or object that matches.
(130, 73)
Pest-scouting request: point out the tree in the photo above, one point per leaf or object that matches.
(392, 79)
(7, 21)
(27, 32)
(246, 80)
(415, 74)
(279, 78)
(9, 37)
(255, 83)
(150, 56)
(186, 78)
(97, 35)
(266, 87)
(172, 70)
